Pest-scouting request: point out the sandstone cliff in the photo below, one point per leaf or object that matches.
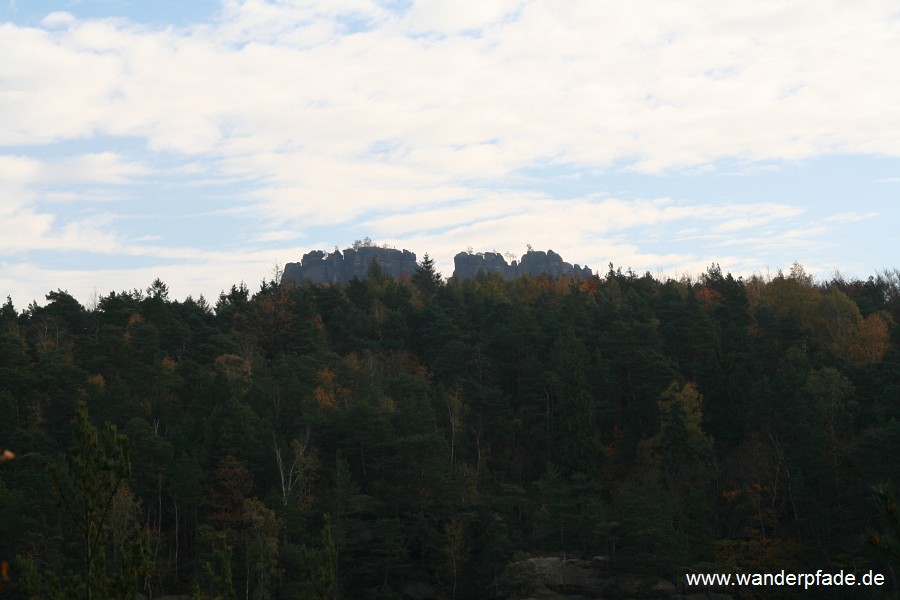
(320, 267)
(533, 262)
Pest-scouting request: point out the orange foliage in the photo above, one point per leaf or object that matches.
(232, 484)
(588, 285)
(4, 574)
(97, 381)
(135, 319)
(708, 298)
(413, 366)
(324, 398)
(732, 494)
(329, 392)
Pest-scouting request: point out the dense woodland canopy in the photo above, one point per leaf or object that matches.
(412, 439)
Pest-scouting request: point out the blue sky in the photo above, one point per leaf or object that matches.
(204, 142)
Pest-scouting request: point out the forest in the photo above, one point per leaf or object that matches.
(422, 439)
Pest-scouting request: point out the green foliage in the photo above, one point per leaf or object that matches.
(426, 278)
(261, 528)
(215, 581)
(317, 567)
(86, 489)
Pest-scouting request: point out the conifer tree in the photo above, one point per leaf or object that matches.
(85, 489)
(426, 277)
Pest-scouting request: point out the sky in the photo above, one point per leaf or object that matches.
(207, 143)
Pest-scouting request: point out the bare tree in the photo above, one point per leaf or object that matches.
(295, 477)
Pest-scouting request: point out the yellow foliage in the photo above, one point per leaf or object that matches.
(353, 361)
(831, 319)
(835, 321)
(685, 406)
(388, 404)
(124, 514)
(870, 341)
(791, 297)
(233, 367)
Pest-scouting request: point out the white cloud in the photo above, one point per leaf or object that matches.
(90, 168)
(19, 170)
(276, 236)
(330, 112)
(25, 181)
(850, 217)
(99, 167)
(57, 19)
(450, 18)
(584, 82)
(25, 230)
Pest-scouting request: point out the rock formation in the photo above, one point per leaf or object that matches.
(320, 267)
(533, 262)
(564, 579)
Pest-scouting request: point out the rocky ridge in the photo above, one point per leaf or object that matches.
(320, 267)
(533, 262)
(338, 268)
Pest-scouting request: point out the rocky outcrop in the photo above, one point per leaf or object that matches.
(339, 268)
(533, 262)
(321, 267)
(555, 578)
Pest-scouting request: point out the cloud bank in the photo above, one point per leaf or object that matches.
(421, 125)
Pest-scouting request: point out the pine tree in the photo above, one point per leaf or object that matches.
(426, 278)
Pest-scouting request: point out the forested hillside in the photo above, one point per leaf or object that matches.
(412, 439)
